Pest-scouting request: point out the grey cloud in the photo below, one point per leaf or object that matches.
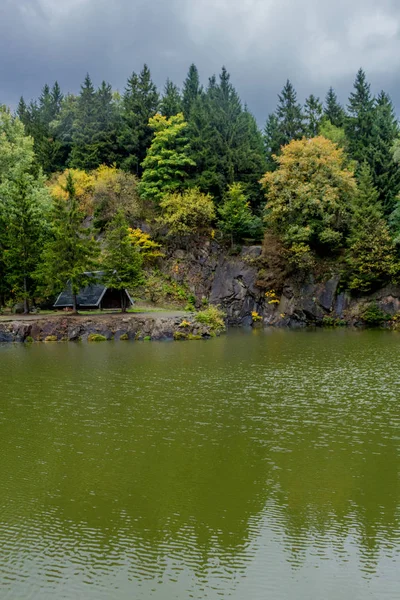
(315, 43)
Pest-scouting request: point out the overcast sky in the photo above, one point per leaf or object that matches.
(315, 43)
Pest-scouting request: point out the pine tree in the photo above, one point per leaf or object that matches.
(236, 218)
(370, 257)
(272, 140)
(140, 103)
(72, 250)
(225, 142)
(84, 153)
(62, 129)
(313, 116)
(385, 171)
(171, 103)
(108, 124)
(333, 111)
(28, 205)
(359, 123)
(167, 162)
(191, 90)
(122, 260)
(290, 116)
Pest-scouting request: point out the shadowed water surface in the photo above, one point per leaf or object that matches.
(258, 465)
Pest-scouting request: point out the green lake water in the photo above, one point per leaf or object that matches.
(260, 465)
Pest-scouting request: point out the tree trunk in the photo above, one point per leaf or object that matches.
(123, 304)
(26, 300)
(74, 304)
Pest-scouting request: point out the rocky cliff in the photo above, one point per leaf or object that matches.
(233, 281)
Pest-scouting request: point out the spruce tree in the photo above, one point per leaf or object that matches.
(272, 140)
(72, 249)
(333, 111)
(370, 257)
(121, 260)
(236, 218)
(385, 171)
(359, 123)
(171, 103)
(105, 139)
(313, 116)
(191, 90)
(84, 153)
(290, 116)
(28, 205)
(166, 166)
(140, 103)
(225, 142)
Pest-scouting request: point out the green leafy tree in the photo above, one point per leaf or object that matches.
(308, 197)
(140, 104)
(171, 103)
(370, 257)
(186, 214)
(72, 249)
(333, 110)
(236, 219)
(337, 135)
(122, 260)
(312, 116)
(165, 168)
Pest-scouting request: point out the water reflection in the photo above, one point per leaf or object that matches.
(249, 465)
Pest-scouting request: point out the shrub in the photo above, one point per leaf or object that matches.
(374, 316)
(212, 316)
(29, 339)
(188, 213)
(124, 337)
(97, 337)
(51, 338)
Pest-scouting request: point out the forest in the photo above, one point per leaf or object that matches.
(103, 180)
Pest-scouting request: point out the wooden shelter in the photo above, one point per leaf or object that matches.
(94, 295)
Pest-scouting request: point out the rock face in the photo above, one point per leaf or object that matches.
(125, 327)
(231, 281)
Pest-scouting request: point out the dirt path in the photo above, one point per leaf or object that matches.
(156, 314)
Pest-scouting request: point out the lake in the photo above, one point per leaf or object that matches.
(257, 465)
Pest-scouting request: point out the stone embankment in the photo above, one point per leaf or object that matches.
(150, 326)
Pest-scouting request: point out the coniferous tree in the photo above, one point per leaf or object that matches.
(62, 128)
(28, 205)
(290, 116)
(370, 257)
(272, 140)
(191, 90)
(122, 260)
(333, 110)
(72, 250)
(140, 103)
(236, 218)
(313, 115)
(165, 168)
(226, 144)
(84, 153)
(171, 103)
(108, 123)
(359, 123)
(385, 171)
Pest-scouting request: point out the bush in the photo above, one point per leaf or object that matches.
(188, 213)
(51, 338)
(97, 337)
(373, 316)
(212, 316)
